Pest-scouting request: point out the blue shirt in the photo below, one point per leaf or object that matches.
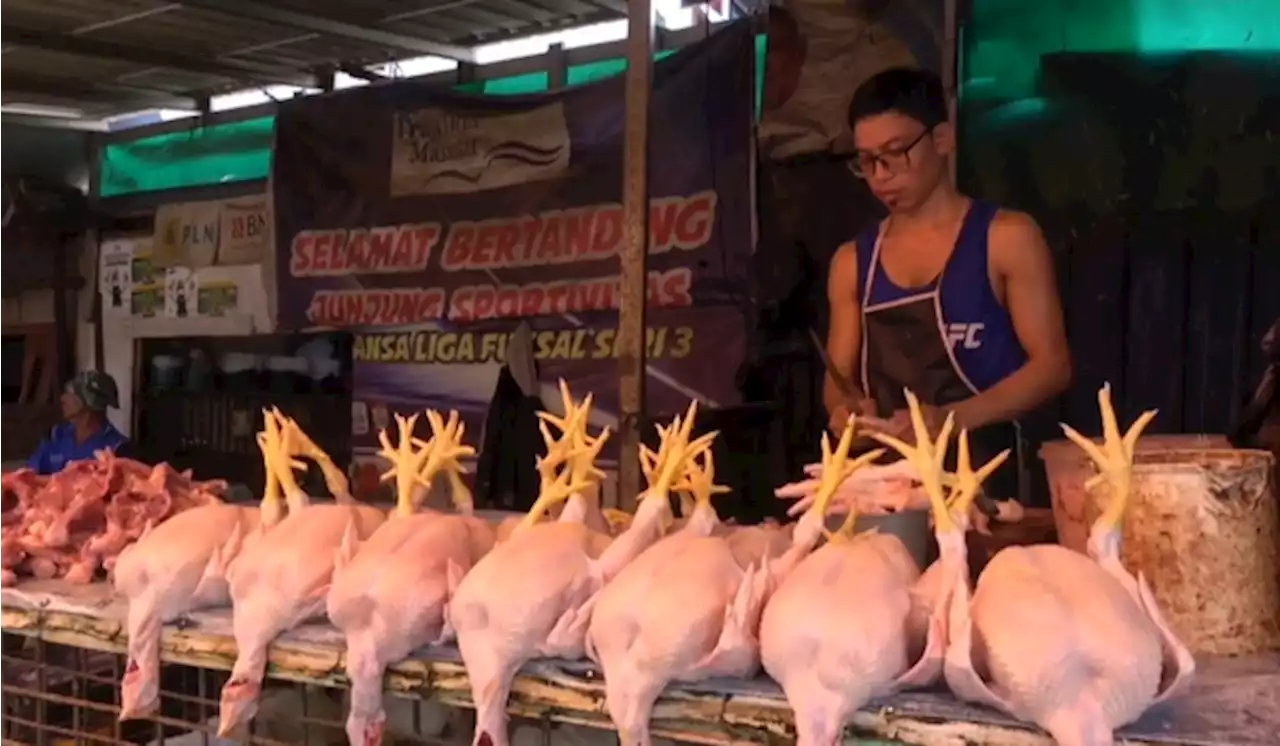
(61, 448)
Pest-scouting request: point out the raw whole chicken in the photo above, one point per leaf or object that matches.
(1071, 643)
(834, 629)
(180, 566)
(530, 596)
(282, 579)
(749, 543)
(686, 609)
(856, 619)
(393, 596)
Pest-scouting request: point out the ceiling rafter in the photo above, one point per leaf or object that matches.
(22, 84)
(331, 26)
(84, 46)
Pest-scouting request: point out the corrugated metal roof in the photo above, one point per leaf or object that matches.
(111, 56)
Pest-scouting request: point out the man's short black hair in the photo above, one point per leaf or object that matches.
(912, 92)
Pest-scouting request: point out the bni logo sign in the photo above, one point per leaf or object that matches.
(438, 151)
(965, 335)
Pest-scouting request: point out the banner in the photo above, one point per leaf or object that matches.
(433, 222)
(186, 235)
(132, 286)
(245, 234)
(692, 354)
(820, 51)
(199, 234)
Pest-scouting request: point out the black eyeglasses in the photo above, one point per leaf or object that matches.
(893, 160)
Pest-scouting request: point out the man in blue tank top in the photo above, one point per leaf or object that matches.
(949, 296)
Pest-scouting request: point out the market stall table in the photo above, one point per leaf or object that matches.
(1234, 702)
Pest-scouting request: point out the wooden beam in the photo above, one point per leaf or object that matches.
(47, 122)
(18, 86)
(83, 46)
(331, 26)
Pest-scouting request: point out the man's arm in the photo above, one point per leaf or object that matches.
(844, 335)
(1021, 257)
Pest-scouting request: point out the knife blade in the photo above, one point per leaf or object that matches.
(844, 385)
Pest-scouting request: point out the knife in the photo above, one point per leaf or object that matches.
(846, 388)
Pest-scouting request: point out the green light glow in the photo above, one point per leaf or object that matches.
(1005, 39)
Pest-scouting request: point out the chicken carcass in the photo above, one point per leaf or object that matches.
(392, 598)
(1074, 644)
(530, 597)
(178, 567)
(856, 619)
(686, 609)
(282, 580)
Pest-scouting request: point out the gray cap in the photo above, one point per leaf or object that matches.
(96, 389)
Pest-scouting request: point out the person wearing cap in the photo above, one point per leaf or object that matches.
(85, 428)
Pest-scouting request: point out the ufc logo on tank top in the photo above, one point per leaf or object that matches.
(965, 335)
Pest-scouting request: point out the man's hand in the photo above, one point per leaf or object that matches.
(841, 413)
(902, 429)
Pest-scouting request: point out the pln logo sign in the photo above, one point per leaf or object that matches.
(435, 151)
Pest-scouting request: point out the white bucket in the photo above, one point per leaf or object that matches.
(1067, 468)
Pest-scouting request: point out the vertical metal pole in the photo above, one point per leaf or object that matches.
(635, 247)
(63, 321)
(93, 246)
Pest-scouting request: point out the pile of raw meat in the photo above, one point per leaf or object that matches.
(72, 523)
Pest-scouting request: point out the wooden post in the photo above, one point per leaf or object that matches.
(951, 77)
(635, 247)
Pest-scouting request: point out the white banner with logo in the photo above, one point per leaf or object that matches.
(435, 151)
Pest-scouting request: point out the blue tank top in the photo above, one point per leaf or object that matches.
(976, 328)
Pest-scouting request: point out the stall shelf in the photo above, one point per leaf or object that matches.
(1232, 702)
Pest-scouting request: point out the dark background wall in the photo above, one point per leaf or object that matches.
(55, 155)
(1149, 160)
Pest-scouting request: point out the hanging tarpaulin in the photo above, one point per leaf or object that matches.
(200, 234)
(432, 222)
(821, 50)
